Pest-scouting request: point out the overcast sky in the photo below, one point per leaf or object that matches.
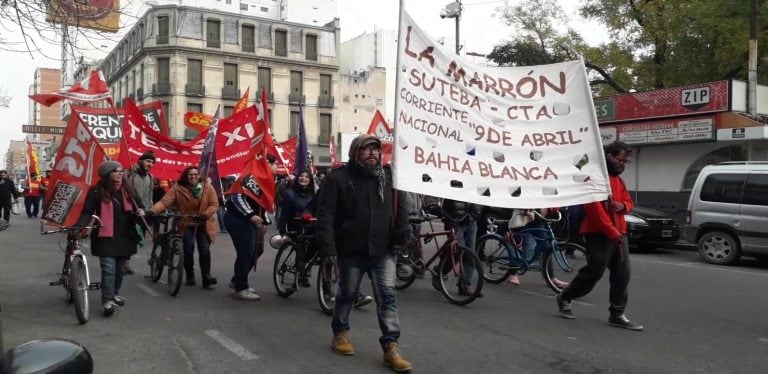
(480, 31)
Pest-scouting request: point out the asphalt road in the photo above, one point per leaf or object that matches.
(698, 318)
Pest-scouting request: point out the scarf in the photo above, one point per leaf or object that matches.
(376, 171)
(107, 211)
(197, 190)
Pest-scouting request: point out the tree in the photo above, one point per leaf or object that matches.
(653, 43)
(30, 33)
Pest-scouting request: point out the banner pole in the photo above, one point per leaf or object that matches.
(400, 43)
(122, 138)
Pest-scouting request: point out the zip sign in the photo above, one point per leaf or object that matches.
(695, 98)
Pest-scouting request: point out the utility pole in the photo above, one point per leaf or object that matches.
(752, 74)
(453, 10)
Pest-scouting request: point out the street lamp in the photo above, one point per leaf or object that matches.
(453, 10)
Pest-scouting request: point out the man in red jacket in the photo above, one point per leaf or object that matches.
(605, 230)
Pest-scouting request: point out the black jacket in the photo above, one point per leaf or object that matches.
(123, 241)
(460, 211)
(351, 218)
(8, 190)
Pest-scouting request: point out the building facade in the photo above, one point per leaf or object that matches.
(360, 54)
(45, 80)
(195, 59)
(361, 96)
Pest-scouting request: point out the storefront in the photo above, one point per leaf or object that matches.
(675, 132)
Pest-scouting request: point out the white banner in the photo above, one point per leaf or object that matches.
(514, 137)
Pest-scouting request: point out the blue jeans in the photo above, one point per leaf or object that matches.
(466, 235)
(112, 269)
(381, 271)
(244, 238)
(533, 241)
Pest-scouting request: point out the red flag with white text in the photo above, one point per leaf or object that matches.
(93, 88)
(380, 128)
(75, 171)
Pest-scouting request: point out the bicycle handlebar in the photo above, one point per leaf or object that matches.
(558, 219)
(69, 229)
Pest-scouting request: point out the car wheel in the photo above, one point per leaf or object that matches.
(717, 247)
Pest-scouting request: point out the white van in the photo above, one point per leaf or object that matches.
(728, 212)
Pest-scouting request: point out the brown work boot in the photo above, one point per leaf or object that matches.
(394, 359)
(342, 344)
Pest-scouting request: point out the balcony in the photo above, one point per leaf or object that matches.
(325, 101)
(281, 52)
(230, 93)
(194, 90)
(161, 39)
(140, 93)
(312, 56)
(132, 96)
(161, 88)
(296, 99)
(213, 43)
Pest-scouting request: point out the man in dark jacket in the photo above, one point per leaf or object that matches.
(605, 230)
(141, 181)
(8, 194)
(360, 220)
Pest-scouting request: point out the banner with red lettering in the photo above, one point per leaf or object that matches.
(512, 136)
(107, 127)
(75, 171)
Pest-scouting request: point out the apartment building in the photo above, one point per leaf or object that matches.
(195, 59)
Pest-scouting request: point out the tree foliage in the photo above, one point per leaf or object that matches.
(652, 43)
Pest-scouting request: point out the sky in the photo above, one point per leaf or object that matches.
(479, 29)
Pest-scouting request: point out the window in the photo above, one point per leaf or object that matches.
(295, 119)
(163, 25)
(243, 6)
(264, 9)
(195, 72)
(723, 188)
(281, 43)
(325, 84)
(163, 70)
(228, 111)
(324, 132)
(265, 81)
(230, 75)
(248, 38)
(140, 87)
(193, 108)
(756, 190)
(132, 89)
(297, 83)
(311, 47)
(213, 34)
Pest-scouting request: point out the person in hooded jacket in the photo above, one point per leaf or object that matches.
(190, 196)
(141, 181)
(295, 203)
(115, 242)
(361, 222)
(8, 194)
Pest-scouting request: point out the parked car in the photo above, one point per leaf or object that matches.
(649, 228)
(646, 228)
(728, 212)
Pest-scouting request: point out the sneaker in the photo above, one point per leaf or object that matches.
(247, 294)
(622, 321)
(342, 344)
(564, 307)
(394, 359)
(109, 308)
(209, 281)
(190, 280)
(119, 300)
(304, 282)
(362, 300)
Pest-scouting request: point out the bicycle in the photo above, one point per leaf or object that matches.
(74, 276)
(291, 264)
(171, 245)
(560, 260)
(458, 274)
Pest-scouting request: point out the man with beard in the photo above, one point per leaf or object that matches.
(141, 181)
(604, 230)
(363, 221)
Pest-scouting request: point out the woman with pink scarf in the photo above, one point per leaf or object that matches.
(115, 242)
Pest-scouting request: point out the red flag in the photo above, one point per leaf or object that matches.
(380, 128)
(75, 171)
(242, 103)
(197, 121)
(235, 138)
(286, 153)
(93, 88)
(332, 149)
(256, 179)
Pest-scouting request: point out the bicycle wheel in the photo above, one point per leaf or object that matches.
(327, 287)
(175, 262)
(405, 271)
(156, 263)
(64, 279)
(284, 272)
(492, 253)
(78, 284)
(559, 267)
(461, 280)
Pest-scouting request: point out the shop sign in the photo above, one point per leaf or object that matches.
(675, 130)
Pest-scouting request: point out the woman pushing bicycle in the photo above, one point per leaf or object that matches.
(189, 196)
(115, 242)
